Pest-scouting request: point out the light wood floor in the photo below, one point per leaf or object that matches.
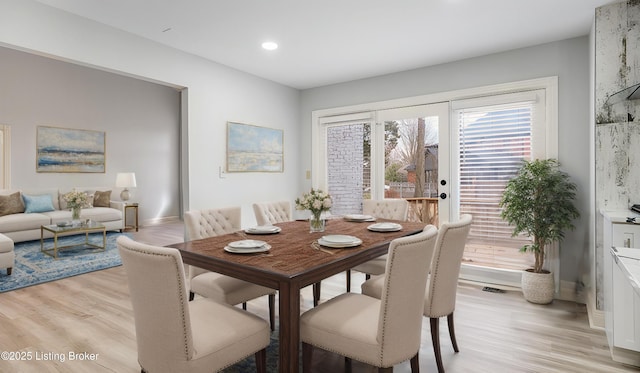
(91, 313)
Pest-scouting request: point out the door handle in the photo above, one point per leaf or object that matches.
(443, 195)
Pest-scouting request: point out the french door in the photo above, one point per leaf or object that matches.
(417, 164)
(447, 158)
(378, 155)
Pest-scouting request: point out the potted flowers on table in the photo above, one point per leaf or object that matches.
(317, 202)
(75, 201)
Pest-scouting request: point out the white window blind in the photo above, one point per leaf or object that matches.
(493, 141)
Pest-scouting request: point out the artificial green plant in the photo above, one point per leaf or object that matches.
(538, 202)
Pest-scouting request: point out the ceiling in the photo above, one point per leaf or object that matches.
(324, 42)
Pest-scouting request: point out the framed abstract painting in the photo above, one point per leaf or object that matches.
(254, 149)
(70, 150)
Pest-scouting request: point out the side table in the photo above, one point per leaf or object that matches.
(134, 206)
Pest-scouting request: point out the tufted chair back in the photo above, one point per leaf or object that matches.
(268, 213)
(391, 208)
(213, 222)
(207, 223)
(159, 299)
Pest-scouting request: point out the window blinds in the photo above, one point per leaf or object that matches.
(493, 141)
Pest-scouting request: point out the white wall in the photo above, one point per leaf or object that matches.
(140, 121)
(216, 94)
(568, 59)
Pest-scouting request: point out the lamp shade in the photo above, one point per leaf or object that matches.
(126, 180)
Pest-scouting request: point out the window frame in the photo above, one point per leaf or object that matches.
(548, 84)
(322, 117)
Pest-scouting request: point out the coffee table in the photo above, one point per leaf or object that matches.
(85, 227)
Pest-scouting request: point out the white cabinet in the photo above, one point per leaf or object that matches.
(626, 309)
(621, 300)
(625, 235)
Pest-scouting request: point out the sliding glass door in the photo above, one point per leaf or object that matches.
(446, 159)
(416, 160)
(393, 153)
(492, 136)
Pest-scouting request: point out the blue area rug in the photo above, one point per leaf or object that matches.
(34, 267)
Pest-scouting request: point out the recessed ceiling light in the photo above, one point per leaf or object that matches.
(269, 45)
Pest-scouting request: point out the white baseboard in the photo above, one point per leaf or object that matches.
(157, 221)
(511, 278)
(485, 275)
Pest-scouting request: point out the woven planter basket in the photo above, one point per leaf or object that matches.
(538, 287)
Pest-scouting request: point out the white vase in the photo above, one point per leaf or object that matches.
(538, 287)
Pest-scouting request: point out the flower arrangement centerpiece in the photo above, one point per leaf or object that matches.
(317, 202)
(75, 201)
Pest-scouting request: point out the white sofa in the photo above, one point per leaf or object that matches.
(25, 226)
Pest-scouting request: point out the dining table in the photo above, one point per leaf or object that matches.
(294, 260)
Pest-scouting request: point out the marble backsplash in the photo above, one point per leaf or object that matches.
(617, 131)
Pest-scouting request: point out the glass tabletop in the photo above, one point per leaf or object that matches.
(66, 226)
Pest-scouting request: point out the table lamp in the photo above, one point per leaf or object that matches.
(125, 180)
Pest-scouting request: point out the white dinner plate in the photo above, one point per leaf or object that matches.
(248, 250)
(385, 227)
(339, 238)
(339, 245)
(359, 217)
(246, 244)
(339, 241)
(263, 229)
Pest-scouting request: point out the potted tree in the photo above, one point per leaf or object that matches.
(538, 202)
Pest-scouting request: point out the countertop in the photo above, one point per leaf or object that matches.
(620, 216)
(629, 261)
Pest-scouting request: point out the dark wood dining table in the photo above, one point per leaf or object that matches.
(293, 262)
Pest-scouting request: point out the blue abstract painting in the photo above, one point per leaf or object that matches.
(254, 149)
(69, 150)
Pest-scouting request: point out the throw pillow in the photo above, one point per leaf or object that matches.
(102, 199)
(40, 203)
(11, 204)
(62, 202)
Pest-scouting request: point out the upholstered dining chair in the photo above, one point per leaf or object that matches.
(268, 213)
(212, 222)
(390, 208)
(441, 290)
(175, 335)
(381, 332)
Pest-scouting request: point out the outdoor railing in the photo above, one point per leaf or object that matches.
(423, 209)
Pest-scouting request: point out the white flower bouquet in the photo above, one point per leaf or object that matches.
(75, 199)
(315, 201)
